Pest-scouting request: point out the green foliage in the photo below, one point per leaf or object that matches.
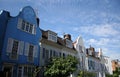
(108, 75)
(36, 71)
(61, 67)
(86, 74)
(116, 73)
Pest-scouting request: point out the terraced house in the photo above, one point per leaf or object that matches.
(54, 46)
(19, 43)
(93, 62)
(24, 46)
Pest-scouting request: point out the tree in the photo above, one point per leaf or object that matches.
(86, 74)
(116, 73)
(108, 75)
(61, 66)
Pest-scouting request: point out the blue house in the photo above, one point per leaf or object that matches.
(19, 43)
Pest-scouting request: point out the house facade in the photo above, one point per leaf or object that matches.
(93, 62)
(79, 46)
(54, 46)
(108, 65)
(19, 43)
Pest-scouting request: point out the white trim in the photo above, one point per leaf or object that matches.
(9, 45)
(26, 49)
(35, 51)
(20, 24)
(20, 47)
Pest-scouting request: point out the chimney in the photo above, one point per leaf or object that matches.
(67, 36)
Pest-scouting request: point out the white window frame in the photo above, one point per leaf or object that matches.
(26, 74)
(52, 36)
(31, 57)
(35, 51)
(22, 23)
(10, 48)
(12, 55)
(69, 43)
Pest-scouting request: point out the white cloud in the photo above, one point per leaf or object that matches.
(110, 53)
(104, 42)
(98, 42)
(115, 56)
(99, 30)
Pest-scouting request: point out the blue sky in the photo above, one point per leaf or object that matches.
(97, 21)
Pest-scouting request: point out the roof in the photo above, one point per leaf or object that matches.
(60, 41)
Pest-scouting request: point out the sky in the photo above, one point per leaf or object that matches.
(97, 21)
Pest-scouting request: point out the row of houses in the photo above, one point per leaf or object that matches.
(24, 46)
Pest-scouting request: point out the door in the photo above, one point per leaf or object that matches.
(7, 71)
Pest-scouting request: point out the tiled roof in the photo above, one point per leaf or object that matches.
(60, 41)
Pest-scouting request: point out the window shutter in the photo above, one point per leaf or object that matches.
(20, 48)
(9, 45)
(26, 49)
(19, 23)
(35, 51)
(34, 29)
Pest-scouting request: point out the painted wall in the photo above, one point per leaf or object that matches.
(12, 31)
(79, 46)
(4, 16)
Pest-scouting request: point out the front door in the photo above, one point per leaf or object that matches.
(7, 71)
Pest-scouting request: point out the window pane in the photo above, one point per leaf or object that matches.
(25, 72)
(47, 54)
(30, 54)
(59, 54)
(14, 49)
(27, 27)
(23, 25)
(54, 53)
(50, 53)
(31, 28)
(31, 50)
(20, 72)
(43, 53)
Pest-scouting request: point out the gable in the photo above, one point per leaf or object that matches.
(28, 14)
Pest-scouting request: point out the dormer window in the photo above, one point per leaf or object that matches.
(69, 43)
(26, 26)
(52, 36)
(90, 53)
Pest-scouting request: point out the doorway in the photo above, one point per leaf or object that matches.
(7, 71)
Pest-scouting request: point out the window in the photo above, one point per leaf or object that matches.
(28, 71)
(50, 53)
(31, 51)
(63, 54)
(26, 26)
(69, 43)
(46, 59)
(90, 52)
(56, 54)
(46, 54)
(52, 36)
(30, 54)
(19, 71)
(14, 50)
(59, 54)
(106, 61)
(43, 53)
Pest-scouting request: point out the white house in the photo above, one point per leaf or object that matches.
(79, 46)
(53, 46)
